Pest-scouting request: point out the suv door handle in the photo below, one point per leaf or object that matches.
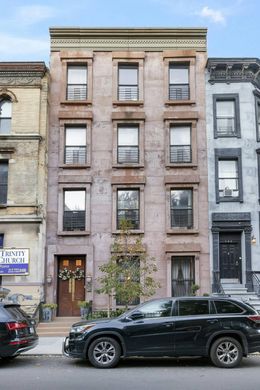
(213, 321)
(168, 324)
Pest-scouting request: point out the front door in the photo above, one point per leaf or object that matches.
(230, 256)
(71, 285)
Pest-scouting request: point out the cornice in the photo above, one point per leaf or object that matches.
(22, 73)
(107, 39)
(234, 70)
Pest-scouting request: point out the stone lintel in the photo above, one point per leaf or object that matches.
(71, 179)
(128, 180)
(182, 179)
(181, 115)
(185, 247)
(128, 115)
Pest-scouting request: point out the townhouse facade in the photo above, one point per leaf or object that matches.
(23, 185)
(127, 140)
(233, 117)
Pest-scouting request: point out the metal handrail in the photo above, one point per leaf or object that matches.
(217, 284)
(255, 276)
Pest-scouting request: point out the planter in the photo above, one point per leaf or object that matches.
(85, 312)
(47, 314)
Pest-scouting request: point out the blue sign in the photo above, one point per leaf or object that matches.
(14, 261)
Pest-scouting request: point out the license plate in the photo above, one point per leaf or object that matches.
(31, 330)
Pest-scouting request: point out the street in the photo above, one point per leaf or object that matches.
(57, 372)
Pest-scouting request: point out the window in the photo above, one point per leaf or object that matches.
(223, 307)
(228, 178)
(258, 118)
(180, 144)
(183, 275)
(128, 82)
(130, 274)
(128, 144)
(155, 309)
(226, 115)
(228, 171)
(74, 212)
(77, 82)
(179, 88)
(3, 181)
(5, 116)
(75, 145)
(181, 208)
(128, 207)
(1, 240)
(193, 307)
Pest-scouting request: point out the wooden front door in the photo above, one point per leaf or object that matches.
(230, 256)
(71, 285)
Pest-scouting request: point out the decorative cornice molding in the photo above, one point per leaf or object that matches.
(22, 73)
(234, 70)
(18, 137)
(128, 39)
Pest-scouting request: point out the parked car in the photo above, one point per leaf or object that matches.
(223, 329)
(17, 331)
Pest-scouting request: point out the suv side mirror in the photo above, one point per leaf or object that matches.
(136, 315)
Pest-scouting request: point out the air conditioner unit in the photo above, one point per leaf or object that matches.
(227, 192)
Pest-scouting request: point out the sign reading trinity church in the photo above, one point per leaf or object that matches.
(14, 261)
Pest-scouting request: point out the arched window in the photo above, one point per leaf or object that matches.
(5, 115)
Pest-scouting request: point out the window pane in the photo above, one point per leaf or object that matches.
(75, 136)
(180, 135)
(77, 74)
(227, 307)
(179, 75)
(226, 108)
(3, 181)
(228, 169)
(74, 200)
(128, 75)
(193, 307)
(128, 199)
(160, 308)
(181, 198)
(128, 136)
(5, 109)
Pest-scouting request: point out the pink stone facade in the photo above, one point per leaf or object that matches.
(154, 176)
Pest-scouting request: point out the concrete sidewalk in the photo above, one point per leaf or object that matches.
(47, 346)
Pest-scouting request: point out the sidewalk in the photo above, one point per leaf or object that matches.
(47, 346)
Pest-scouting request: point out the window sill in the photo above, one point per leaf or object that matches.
(3, 205)
(78, 102)
(227, 136)
(130, 231)
(128, 103)
(179, 102)
(74, 233)
(182, 231)
(74, 166)
(181, 165)
(229, 199)
(128, 166)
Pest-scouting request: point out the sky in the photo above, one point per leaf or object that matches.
(233, 25)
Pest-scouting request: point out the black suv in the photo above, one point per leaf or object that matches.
(17, 331)
(221, 328)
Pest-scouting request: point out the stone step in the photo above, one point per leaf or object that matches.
(60, 327)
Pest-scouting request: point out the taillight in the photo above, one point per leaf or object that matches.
(16, 325)
(255, 318)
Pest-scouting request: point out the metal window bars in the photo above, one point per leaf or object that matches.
(75, 155)
(128, 154)
(74, 220)
(179, 92)
(180, 154)
(182, 218)
(77, 92)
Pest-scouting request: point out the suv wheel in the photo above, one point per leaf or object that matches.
(104, 352)
(226, 352)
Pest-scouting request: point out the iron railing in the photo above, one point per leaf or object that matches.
(74, 220)
(77, 92)
(226, 126)
(180, 153)
(255, 276)
(128, 92)
(182, 218)
(75, 155)
(179, 92)
(131, 216)
(217, 286)
(127, 154)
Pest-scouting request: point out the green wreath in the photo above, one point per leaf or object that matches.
(78, 274)
(65, 274)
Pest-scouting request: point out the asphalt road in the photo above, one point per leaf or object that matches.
(57, 372)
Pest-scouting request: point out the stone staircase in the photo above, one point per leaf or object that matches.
(238, 291)
(60, 327)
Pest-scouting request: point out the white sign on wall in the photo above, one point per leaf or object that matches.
(14, 261)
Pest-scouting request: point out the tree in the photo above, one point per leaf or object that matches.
(128, 275)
